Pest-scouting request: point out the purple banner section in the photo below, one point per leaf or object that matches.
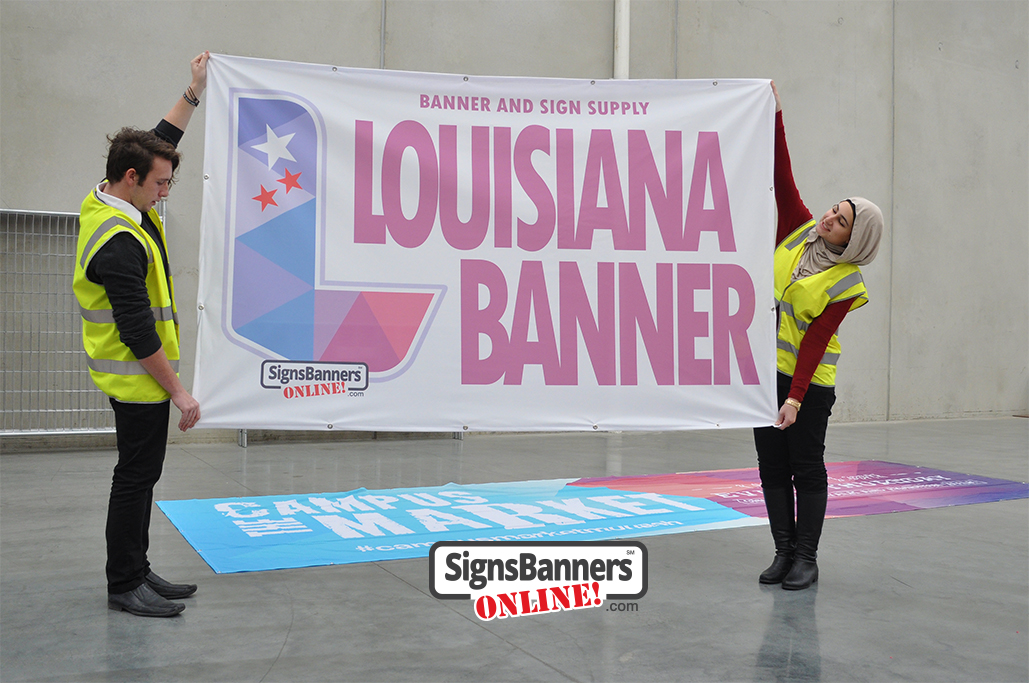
(865, 487)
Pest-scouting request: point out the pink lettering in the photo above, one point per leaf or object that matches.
(534, 236)
(644, 180)
(565, 189)
(598, 332)
(369, 228)
(657, 331)
(411, 232)
(674, 308)
(502, 182)
(692, 323)
(532, 301)
(476, 322)
(732, 326)
(708, 165)
(602, 161)
(471, 233)
(552, 197)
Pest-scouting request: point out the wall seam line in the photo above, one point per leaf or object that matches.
(382, 36)
(675, 57)
(893, 209)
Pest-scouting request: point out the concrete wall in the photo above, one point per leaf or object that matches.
(920, 106)
(959, 337)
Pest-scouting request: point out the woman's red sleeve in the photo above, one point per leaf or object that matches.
(792, 212)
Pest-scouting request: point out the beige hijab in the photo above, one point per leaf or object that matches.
(862, 248)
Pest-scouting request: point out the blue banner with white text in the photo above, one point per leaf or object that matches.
(286, 531)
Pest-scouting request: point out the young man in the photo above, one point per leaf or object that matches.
(131, 334)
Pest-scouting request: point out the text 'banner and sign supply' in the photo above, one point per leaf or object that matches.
(398, 251)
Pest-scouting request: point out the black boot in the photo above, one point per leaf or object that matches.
(779, 503)
(810, 515)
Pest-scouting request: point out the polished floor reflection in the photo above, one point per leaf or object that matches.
(932, 595)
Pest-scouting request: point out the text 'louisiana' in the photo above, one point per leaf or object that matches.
(550, 186)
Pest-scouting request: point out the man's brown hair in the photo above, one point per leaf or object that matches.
(135, 148)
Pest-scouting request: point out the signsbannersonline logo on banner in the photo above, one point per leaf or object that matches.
(299, 379)
(512, 579)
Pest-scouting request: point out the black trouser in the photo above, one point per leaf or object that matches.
(142, 438)
(795, 456)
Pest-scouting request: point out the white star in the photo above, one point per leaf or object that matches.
(275, 148)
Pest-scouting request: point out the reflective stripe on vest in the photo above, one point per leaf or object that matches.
(106, 315)
(827, 359)
(843, 285)
(123, 367)
(799, 239)
(786, 308)
(107, 226)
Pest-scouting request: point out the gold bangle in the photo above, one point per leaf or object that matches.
(793, 402)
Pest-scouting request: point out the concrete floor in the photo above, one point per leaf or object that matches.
(932, 595)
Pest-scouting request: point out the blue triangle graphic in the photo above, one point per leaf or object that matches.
(288, 241)
(256, 114)
(288, 330)
(259, 286)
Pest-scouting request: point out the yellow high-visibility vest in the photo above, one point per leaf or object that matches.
(802, 301)
(112, 365)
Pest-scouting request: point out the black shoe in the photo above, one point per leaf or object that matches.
(172, 591)
(801, 576)
(776, 571)
(143, 601)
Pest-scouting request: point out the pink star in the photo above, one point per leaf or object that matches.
(266, 197)
(290, 181)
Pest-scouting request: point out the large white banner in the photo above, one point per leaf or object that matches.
(387, 250)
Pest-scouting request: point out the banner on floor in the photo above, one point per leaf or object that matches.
(279, 532)
(386, 250)
(285, 531)
(860, 487)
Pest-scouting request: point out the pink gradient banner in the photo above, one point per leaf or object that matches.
(860, 487)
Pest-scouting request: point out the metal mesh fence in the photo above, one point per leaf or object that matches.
(46, 387)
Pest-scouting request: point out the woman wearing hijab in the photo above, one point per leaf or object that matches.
(817, 282)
